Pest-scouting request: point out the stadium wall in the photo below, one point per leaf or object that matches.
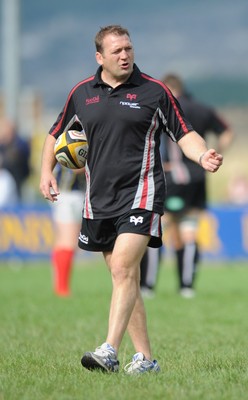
(28, 233)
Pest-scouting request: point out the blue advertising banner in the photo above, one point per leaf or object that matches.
(223, 232)
(28, 233)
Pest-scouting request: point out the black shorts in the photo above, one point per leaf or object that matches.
(101, 234)
(181, 198)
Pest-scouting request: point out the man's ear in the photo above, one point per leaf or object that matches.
(99, 58)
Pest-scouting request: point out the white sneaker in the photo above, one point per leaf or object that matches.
(104, 358)
(187, 293)
(147, 292)
(140, 365)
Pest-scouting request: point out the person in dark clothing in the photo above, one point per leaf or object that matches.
(186, 190)
(14, 154)
(123, 112)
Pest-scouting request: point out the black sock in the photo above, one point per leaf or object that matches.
(143, 270)
(179, 265)
(149, 267)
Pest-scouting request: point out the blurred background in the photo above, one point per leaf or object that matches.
(47, 47)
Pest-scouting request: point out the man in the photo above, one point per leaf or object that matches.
(123, 113)
(186, 189)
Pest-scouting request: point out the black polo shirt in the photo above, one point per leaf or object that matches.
(123, 127)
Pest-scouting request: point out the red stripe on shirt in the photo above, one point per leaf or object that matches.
(184, 127)
(66, 104)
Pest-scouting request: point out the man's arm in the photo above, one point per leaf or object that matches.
(48, 182)
(194, 147)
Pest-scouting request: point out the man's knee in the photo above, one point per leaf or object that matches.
(122, 271)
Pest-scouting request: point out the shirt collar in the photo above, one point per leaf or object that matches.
(134, 79)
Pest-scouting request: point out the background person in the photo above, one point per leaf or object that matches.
(186, 190)
(67, 217)
(238, 189)
(149, 271)
(123, 112)
(14, 154)
(187, 185)
(8, 192)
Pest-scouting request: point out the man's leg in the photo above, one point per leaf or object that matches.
(191, 252)
(189, 265)
(126, 310)
(126, 303)
(137, 329)
(62, 255)
(149, 269)
(143, 269)
(176, 241)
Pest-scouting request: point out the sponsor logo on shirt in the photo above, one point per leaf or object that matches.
(136, 221)
(129, 104)
(93, 100)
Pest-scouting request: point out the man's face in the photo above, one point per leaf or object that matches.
(117, 57)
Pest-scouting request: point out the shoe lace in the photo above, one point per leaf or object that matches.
(103, 352)
(133, 365)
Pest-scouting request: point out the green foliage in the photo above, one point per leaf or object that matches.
(201, 343)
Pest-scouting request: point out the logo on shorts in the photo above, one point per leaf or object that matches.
(138, 220)
(84, 239)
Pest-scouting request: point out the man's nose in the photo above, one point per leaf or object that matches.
(124, 54)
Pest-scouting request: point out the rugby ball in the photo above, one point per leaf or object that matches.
(71, 149)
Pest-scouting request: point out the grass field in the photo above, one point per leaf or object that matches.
(201, 343)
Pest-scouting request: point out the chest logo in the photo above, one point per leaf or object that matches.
(131, 97)
(92, 100)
